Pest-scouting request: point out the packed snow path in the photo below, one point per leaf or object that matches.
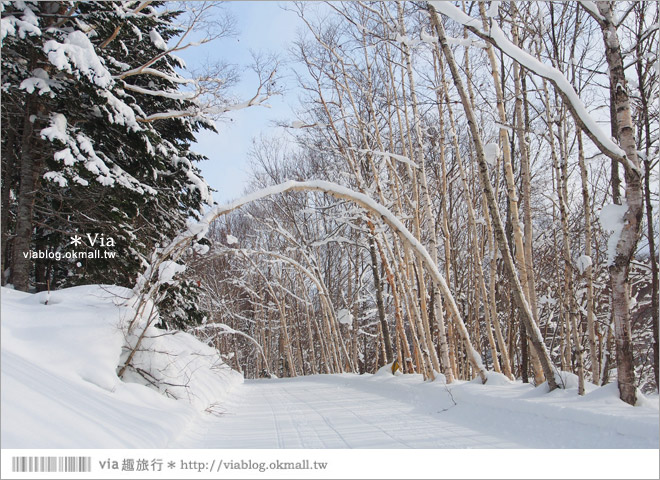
(60, 390)
(350, 411)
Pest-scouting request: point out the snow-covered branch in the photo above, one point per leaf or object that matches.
(148, 283)
(496, 36)
(176, 95)
(226, 329)
(207, 91)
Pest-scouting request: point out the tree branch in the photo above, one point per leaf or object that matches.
(578, 110)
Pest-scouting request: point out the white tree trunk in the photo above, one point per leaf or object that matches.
(518, 292)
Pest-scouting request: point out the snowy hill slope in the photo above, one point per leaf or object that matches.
(59, 385)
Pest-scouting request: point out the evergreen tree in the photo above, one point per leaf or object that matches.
(96, 143)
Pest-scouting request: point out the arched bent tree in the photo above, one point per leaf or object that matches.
(147, 292)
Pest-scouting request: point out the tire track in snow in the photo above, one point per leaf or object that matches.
(280, 443)
(320, 415)
(359, 418)
(304, 427)
(279, 399)
(311, 413)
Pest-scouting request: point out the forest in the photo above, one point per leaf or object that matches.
(469, 187)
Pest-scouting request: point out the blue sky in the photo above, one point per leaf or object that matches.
(262, 27)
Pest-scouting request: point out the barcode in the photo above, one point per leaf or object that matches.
(51, 464)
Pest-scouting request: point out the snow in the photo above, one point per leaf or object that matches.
(60, 390)
(583, 263)
(466, 42)
(403, 411)
(81, 149)
(59, 375)
(157, 40)
(547, 300)
(394, 156)
(231, 240)
(78, 53)
(28, 25)
(40, 81)
(174, 94)
(611, 219)
(187, 369)
(121, 113)
(493, 10)
(197, 229)
(592, 8)
(386, 371)
(57, 129)
(168, 270)
(201, 249)
(157, 73)
(166, 114)
(427, 38)
(492, 152)
(198, 183)
(56, 177)
(345, 317)
(406, 40)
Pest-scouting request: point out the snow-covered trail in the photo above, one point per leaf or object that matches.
(349, 411)
(60, 390)
(313, 413)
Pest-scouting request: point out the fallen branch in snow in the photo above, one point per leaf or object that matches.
(451, 396)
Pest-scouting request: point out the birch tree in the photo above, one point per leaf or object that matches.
(625, 153)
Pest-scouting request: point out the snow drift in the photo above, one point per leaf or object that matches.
(60, 389)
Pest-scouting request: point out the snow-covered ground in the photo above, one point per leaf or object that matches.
(60, 390)
(382, 411)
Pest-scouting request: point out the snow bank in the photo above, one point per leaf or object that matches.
(523, 416)
(386, 371)
(184, 368)
(60, 389)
